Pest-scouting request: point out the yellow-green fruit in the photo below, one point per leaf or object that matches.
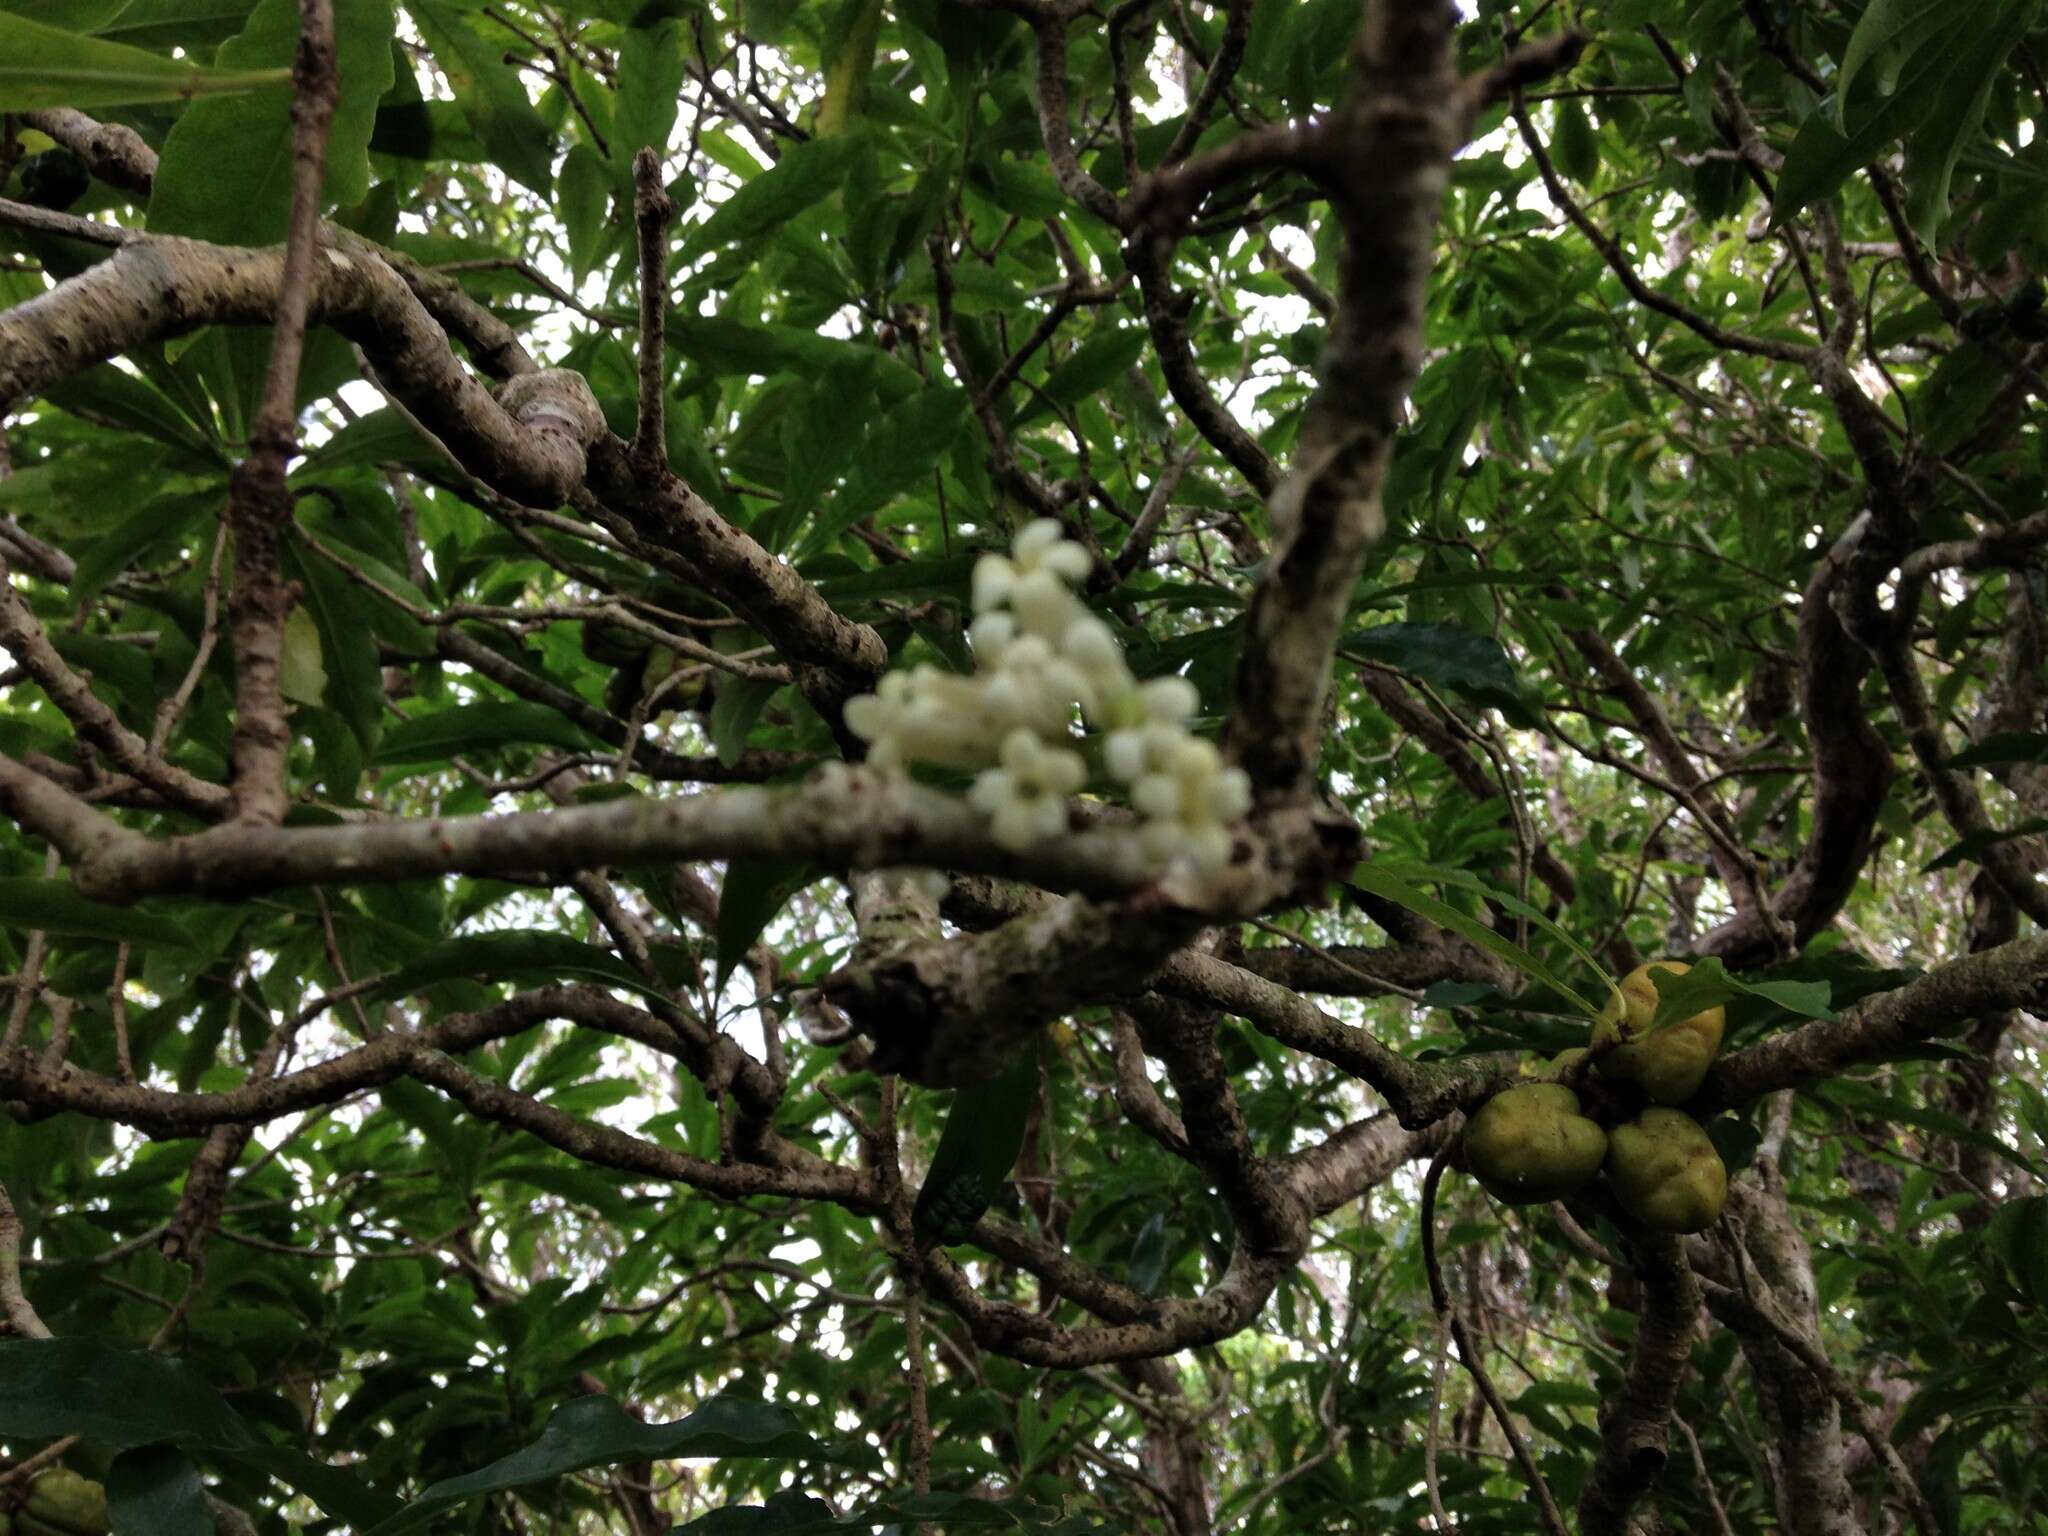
(1530, 1144)
(63, 1499)
(1670, 1063)
(1665, 1172)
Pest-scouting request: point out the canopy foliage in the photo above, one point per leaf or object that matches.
(479, 1052)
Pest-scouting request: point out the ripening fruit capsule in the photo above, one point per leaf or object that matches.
(1670, 1063)
(67, 1502)
(1665, 1172)
(1530, 1143)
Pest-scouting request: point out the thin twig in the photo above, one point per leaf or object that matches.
(1440, 1298)
(652, 210)
(15, 1310)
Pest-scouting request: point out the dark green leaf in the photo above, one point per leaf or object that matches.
(597, 1432)
(1971, 850)
(1382, 882)
(531, 955)
(584, 197)
(2004, 747)
(226, 169)
(806, 174)
(1089, 369)
(753, 892)
(56, 907)
(650, 83)
(434, 736)
(154, 1490)
(492, 95)
(43, 66)
(978, 1148)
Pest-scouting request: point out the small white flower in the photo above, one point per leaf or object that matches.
(868, 717)
(990, 634)
(1170, 698)
(1069, 560)
(1043, 604)
(1157, 795)
(1091, 643)
(1193, 757)
(994, 576)
(1024, 796)
(1206, 848)
(1034, 539)
(1230, 794)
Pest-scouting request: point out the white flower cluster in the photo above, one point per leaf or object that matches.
(1042, 657)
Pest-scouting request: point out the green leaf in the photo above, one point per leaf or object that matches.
(978, 1148)
(492, 95)
(518, 954)
(583, 198)
(384, 436)
(154, 1490)
(114, 1398)
(431, 738)
(1708, 984)
(1576, 147)
(1957, 114)
(113, 395)
(900, 449)
(597, 1432)
(1087, 370)
(348, 645)
(807, 174)
(300, 675)
(1971, 850)
(70, 15)
(650, 82)
(226, 169)
(27, 902)
(904, 581)
(42, 66)
(1445, 656)
(793, 1513)
(1417, 873)
(1937, 107)
(818, 444)
(2004, 747)
(754, 890)
(1950, 403)
(1894, 28)
(734, 711)
(1384, 883)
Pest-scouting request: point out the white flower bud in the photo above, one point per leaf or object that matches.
(1064, 772)
(1042, 603)
(1020, 752)
(1123, 754)
(994, 577)
(990, 634)
(868, 717)
(1157, 795)
(1161, 841)
(1069, 560)
(1194, 758)
(1091, 643)
(992, 791)
(1024, 824)
(1230, 794)
(1206, 849)
(1034, 539)
(1027, 653)
(1171, 698)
